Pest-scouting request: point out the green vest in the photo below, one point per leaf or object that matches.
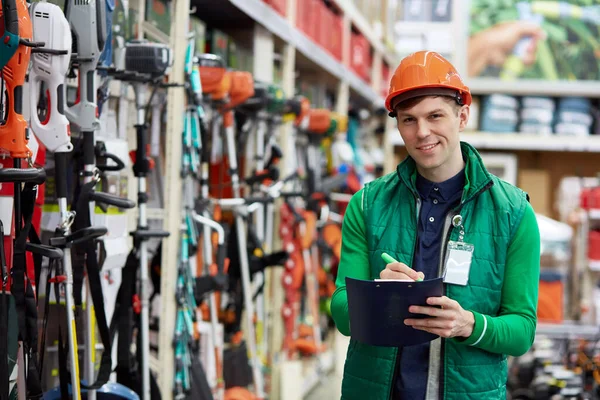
(491, 211)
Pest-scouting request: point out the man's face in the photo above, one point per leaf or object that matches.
(430, 132)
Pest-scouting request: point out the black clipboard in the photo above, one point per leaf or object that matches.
(378, 309)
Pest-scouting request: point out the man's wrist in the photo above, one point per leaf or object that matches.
(470, 325)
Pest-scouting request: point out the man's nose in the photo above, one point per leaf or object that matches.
(422, 130)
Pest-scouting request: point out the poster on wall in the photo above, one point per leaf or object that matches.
(529, 39)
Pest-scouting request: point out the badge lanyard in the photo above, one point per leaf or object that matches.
(460, 255)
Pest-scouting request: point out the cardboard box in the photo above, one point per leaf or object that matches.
(536, 182)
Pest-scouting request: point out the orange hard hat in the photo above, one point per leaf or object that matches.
(431, 74)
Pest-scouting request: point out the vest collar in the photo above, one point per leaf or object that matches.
(477, 177)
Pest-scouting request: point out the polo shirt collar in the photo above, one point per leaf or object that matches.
(446, 190)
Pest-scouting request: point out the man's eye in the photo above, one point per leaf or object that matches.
(406, 120)
(436, 116)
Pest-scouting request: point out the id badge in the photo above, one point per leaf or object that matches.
(458, 263)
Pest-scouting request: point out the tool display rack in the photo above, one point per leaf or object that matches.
(269, 29)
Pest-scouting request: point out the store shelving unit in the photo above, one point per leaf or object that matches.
(172, 196)
(568, 330)
(594, 214)
(586, 269)
(349, 9)
(594, 266)
(270, 31)
(532, 87)
(264, 15)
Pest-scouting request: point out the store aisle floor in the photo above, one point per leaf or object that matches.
(330, 388)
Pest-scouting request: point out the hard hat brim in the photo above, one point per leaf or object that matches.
(397, 97)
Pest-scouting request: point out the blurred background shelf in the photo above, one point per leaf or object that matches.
(568, 330)
(362, 24)
(533, 87)
(266, 16)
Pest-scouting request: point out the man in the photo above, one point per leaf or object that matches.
(440, 202)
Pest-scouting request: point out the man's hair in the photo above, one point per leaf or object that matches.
(409, 103)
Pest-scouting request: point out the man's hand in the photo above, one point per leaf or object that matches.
(451, 320)
(400, 270)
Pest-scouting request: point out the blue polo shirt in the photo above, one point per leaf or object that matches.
(437, 200)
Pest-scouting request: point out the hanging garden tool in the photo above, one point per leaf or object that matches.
(247, 257)
(145, 64)
(213, 277)
(205, 77)
(88, 46)
(184, 323)
(293, 276)
(263, 111)
(14, 137)
(10, 37)
(48, 73)
(307, 337)
(152, 60)
(106, 58)
(241, 88)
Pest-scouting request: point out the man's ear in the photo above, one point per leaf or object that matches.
(463, 115)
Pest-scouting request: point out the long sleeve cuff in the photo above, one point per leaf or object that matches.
(479, 330)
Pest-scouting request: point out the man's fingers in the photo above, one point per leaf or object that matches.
(429, 323)
(404, 269)
(389, 274)
(443, 301)
(442, 332)
(432, 311)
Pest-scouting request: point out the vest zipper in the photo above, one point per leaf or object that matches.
(444, 248)
(445, 240)
(399, 351)
(416, 240)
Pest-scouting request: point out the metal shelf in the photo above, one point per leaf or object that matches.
(422, 26)
(260, 12)
(516, 141)
(568, 330)
(594, 265)
(172, 191)
(530, 87)
(361, 23)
